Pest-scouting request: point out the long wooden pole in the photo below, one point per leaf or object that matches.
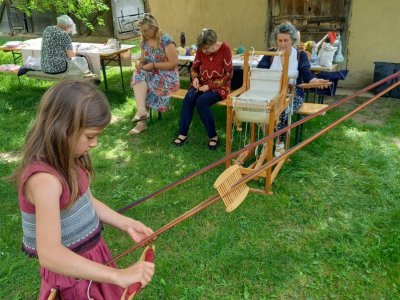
(261, 141)
(213, 199)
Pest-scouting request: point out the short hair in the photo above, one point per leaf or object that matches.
(206, 37)
(286, 28)
(65, 21)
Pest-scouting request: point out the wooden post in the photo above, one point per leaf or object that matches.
(8, 7)
(146, 6)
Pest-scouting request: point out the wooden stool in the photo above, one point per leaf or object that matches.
(305, 110)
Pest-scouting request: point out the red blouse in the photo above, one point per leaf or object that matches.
(214, 69)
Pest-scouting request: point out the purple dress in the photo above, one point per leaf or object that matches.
(80, 232)
(160, 83)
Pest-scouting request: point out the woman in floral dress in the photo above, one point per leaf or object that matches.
(156, 76)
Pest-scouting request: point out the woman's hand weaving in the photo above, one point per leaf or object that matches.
(323, 83)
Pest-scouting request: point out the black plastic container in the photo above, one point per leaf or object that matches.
(383, 70)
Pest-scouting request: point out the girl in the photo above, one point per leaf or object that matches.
(61, 219)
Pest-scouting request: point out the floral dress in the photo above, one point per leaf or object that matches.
(160, 83)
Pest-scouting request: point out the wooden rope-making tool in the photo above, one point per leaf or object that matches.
(231, 184)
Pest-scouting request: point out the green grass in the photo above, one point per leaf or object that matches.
(331, 230)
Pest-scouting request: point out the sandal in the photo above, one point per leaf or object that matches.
(279, 149)
(136, 119)
(180, 143)
(138, 128)
(213, 143)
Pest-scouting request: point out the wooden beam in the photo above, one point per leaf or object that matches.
(2, 9)
(8, 4)
(146, 4)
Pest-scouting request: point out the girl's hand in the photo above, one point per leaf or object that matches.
(204, 88)
(141, 271)
(137, 230)
(319, 80)
(195, 83)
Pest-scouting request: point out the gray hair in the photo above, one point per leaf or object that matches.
(286, 28)
(64, 22)
(206, 37)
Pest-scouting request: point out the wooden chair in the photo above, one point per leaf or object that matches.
(267, 97)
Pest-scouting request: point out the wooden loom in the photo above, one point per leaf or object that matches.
(264, 96)
(231, 185)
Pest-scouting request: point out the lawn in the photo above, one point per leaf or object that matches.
(331, 229)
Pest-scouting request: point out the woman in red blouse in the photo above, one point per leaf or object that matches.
(211, 81)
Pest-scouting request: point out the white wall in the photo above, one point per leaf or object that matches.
(374, 36)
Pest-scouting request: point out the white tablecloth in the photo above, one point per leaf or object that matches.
(237, 60)
(91, 51)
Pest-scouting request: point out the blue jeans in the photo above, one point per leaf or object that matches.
(202, 101)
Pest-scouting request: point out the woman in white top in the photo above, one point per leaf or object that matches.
(285, 37)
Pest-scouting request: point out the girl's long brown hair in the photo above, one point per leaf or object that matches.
(65, 110)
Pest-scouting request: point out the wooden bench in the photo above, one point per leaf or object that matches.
(305, 110)
(40, 75)
(9, 68)
(180, 94)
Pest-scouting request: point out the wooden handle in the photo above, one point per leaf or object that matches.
(314, 85)
(134, 289)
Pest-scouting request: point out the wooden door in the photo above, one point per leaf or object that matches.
(313, 18)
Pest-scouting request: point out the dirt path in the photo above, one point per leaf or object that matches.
(375, 113)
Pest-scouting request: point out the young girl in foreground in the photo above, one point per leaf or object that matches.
(61, 219)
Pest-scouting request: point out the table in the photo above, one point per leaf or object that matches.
(237, 61)
(99, 56)
(15, 51)
(318, 68)
(108, 56)
(186, 62)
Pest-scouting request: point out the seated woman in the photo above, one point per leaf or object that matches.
(57, 46)
(156, 76)
(285, 36)
(211, 80)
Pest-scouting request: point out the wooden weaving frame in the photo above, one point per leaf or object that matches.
(276, 107)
